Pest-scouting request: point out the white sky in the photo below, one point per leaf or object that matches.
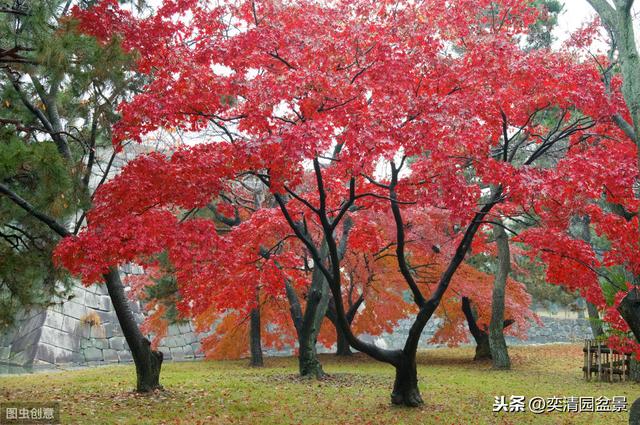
(575, 13)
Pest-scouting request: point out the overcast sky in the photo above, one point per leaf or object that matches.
(574, 14)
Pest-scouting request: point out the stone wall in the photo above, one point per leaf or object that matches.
(83, 330)
(554, 330)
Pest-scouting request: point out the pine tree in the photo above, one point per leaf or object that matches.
(59, 90)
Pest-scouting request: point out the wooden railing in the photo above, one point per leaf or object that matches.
(604, 363)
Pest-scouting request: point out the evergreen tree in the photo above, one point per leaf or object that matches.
(59, 89)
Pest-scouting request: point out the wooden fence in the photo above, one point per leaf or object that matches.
(604, 363)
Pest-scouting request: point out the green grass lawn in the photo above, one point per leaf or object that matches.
(456, 390)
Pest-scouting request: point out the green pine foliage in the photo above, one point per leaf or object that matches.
(27, 275)
(540, 36)
(70, 78)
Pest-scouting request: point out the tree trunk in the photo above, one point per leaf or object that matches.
(308, 324)
(255, 341)
(405, 390)
(317, 302)
(483, 348)
(483, 351)
(583, 231)
(630, 67)
(342, 345)
(594, 320)
(148, 362)
(309, 364)
(618, 18)
(629, 309)
(634, 369)
(634, 413)
(499, 352)
(405, 387)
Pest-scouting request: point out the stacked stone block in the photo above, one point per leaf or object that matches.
(554, 330)
(84, 330)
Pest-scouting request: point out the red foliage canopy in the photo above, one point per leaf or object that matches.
(355, 84)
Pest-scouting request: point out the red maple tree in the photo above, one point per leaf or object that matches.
(399, 109)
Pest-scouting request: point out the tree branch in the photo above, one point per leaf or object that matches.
(400, 239)
(606, 12)
(51, 222)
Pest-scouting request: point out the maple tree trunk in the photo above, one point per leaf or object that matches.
(629, 309)
(308, 362)
(405, 387)
(317, 302)
(309, 365)
(483, 351)
(497, 343)
(255, 340)
(342, 344)
(148, 362)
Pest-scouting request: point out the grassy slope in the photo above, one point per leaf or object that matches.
(456, 391)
